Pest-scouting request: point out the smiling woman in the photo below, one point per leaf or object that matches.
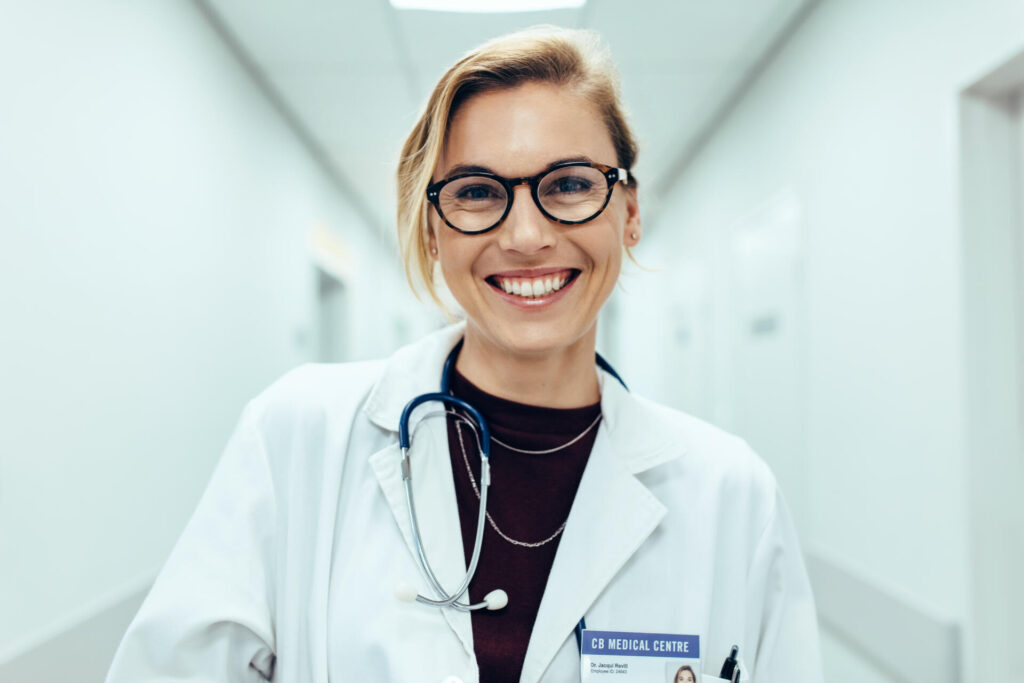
(549, 495)
(563, 273)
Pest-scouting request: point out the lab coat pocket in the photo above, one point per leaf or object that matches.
(741, 677)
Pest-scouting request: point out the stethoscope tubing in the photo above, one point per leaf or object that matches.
(448, 399)
(444, 598)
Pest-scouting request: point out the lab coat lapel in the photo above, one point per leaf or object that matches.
(436, 509)
(613, 514)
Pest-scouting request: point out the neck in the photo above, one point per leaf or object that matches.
(566, 378)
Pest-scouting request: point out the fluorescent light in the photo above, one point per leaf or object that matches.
(483, 6)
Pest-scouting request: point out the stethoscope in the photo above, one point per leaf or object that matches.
(497, 598)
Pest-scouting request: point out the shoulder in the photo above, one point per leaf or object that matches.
(301, 427)
(337, 391)
(704, 455)
(713, 446)
(314, 392)
(649, 434)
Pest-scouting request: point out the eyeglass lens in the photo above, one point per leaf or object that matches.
(569, 193)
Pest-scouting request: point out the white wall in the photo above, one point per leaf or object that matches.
(858, 119)
(154, 275)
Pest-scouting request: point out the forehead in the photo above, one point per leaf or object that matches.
(519, 131)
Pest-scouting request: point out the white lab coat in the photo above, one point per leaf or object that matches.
(297, 545)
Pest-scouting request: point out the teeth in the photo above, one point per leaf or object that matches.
(534, 288)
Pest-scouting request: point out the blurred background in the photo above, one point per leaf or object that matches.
(197, 196)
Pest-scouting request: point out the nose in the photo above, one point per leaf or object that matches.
(526, 230)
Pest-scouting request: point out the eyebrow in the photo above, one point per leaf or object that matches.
(460, 169)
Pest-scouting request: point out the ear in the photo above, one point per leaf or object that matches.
(633, 230)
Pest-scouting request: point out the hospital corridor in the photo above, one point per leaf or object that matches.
(235, 237)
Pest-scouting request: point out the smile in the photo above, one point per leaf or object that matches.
(526, 286)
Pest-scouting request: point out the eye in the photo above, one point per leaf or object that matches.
(569, 185)
(476, 192)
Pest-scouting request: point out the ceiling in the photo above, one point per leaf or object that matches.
(351, 75)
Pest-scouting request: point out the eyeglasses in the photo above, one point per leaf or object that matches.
(571, 192)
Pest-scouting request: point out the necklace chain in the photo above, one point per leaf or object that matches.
(549, 450)
(490, 520)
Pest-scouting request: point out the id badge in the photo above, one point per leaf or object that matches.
(648, 657)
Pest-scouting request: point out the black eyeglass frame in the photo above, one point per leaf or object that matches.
(611, 174)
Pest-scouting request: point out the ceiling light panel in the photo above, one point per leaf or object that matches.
(486, 6)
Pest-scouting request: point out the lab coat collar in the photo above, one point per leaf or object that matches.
(641, 433)
(412, 370)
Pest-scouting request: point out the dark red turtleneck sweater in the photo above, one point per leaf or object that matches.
(529, 499)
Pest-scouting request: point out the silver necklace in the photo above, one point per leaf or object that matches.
(490, 520)
(549, 450)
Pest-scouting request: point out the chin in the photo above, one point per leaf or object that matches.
(534, 339)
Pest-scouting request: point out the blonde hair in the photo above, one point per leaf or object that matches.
(546, 54)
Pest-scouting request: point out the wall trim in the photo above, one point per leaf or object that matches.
(80, 645)
(892, 631)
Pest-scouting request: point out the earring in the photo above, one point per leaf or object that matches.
(433, 250)
(634, 236)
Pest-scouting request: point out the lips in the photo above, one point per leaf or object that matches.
(530, 285)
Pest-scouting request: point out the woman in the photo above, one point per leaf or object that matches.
(685, 674)
(515, 186)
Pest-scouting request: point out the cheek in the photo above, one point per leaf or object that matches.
(610, 248)
(617, 206)
(457, 257)
(602, 243)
